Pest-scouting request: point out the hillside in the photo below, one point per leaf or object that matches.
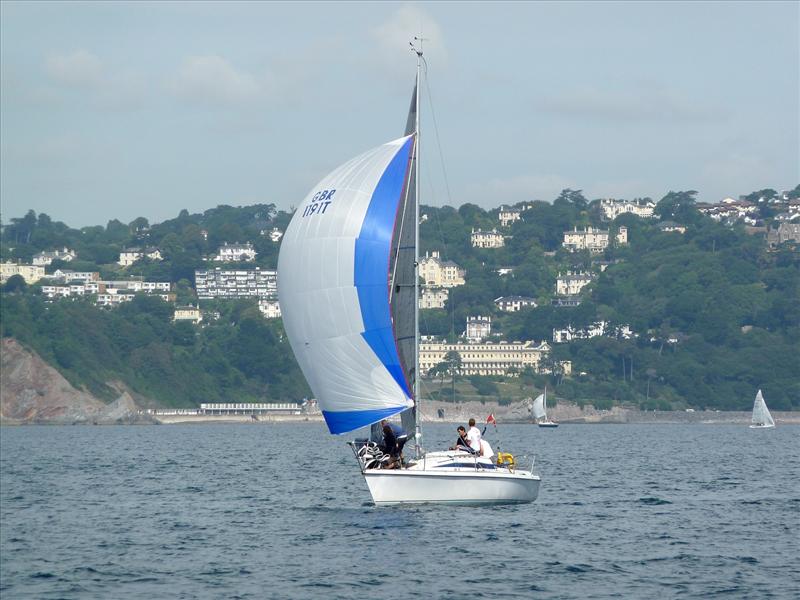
(713, 313)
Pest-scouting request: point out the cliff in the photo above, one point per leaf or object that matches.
(31, 391)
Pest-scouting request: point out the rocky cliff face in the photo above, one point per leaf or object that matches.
(31, 391)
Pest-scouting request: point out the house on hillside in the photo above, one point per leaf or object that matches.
(487, 239)
(235, 253)
(43, 259)
(440, 273)
(514, 303)
(129, 256)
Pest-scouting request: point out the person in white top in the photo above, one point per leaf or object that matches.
(474, 436)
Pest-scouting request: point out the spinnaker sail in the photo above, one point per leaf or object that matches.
(335, 271)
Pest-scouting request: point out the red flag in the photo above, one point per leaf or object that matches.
(491, 419)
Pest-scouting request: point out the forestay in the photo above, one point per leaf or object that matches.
(334, 276)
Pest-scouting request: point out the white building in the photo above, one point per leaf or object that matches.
(431, 297)
(241, 283)
(730, 211)
(45, 258)
(274, 234)
(65, 275)
(440, 273)
(593, 240)
(507, 216)
(671, 226)
(30, 273)
(487, 239)
(501, 358)
(600, 328)
(130, 255)
(188, 313)
(236, 253)
(622, 236)
(613, 208)
(269, 308)
(514, 303)
(572, 283)
(478, 328)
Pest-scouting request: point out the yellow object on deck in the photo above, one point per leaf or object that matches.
(505, 459)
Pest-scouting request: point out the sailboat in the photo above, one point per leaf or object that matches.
(349, 293)
(539, 410)
(761, 417)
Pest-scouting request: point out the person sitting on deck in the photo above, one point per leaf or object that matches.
(462, 443)
(474, 436)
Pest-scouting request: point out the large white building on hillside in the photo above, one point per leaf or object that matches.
(440, 273)
(593, 240)
(501, 358)
(613, 208)
(487, 239)
(242, 283)
(30, 273)
(507, 216)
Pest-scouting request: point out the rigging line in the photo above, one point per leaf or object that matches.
(438, 140)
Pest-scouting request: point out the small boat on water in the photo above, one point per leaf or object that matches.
(349, 288)
(762, 419)
(539, 410)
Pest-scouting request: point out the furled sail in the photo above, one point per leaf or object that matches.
(334, 273)
(538, 407)
(761, 414)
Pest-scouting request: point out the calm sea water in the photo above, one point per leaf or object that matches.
(281, 511)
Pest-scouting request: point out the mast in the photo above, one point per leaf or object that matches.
(417, 432)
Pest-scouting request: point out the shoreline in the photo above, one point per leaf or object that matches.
(613, 417)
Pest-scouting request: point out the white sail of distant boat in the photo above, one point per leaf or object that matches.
(349, 292)
(762, 419)
(539, 410)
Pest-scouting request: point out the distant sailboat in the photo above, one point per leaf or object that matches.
(540, 411)
(761, 417)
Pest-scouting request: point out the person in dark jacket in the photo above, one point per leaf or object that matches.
(462, 443)
(391, 445)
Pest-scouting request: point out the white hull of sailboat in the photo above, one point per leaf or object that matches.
(426, 487)
(452, 478)
(762, 426)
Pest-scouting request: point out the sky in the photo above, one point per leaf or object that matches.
(120, 110)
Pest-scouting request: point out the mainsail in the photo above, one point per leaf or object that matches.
(761, 414)
(334, 270)
(538, 407)
(403, 297)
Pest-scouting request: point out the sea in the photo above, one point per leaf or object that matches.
(281, 511)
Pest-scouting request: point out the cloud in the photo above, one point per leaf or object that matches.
(515, 189)
(393, 36)
(642, 104)
(77, 69)
(213, 80)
